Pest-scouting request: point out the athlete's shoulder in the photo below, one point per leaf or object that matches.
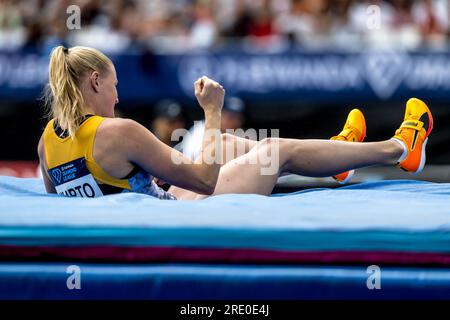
(118, 127)
(120, 124)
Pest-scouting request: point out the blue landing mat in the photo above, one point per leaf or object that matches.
(408, 216)
(215, 282)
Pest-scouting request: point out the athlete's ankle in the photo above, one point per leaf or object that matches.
(396, 151)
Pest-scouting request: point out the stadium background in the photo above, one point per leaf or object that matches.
(299, 65)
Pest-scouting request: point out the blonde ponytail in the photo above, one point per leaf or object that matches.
(64, 96)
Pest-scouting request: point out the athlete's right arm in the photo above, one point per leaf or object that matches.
(135, 144)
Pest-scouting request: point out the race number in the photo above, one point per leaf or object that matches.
(73, 179)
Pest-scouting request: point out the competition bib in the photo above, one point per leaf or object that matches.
(73, 179)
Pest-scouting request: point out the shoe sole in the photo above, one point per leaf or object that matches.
(349, 177)
(429, 129)
(422, 158)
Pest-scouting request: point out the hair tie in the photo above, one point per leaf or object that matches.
(65, 50)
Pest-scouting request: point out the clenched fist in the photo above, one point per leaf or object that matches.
(209, 94)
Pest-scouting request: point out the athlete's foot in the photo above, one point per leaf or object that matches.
(413, 135)
(354, 131)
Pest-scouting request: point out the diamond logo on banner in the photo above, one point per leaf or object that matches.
(385, 71)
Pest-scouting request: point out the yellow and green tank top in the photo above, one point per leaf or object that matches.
(74, 171)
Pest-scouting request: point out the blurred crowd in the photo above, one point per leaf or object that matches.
(173, 26)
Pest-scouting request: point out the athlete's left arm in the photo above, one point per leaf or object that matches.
(47, 182)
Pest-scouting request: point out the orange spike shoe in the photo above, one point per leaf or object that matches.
(413, 133)
(354, 131)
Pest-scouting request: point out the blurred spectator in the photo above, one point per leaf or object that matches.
(261, 22)
(432, 17)
(169, 26)
(168, 117)
(12, 30)
(306, 22)
(232, 119)
(203, 29)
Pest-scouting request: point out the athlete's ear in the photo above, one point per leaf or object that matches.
(94, 80)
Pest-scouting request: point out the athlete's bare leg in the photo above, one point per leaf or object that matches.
(315, 158)
(232, 148)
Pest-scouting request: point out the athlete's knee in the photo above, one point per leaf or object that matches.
(265, 141)
(270, 146)
(227, 138)
(268, 155)
(271, 142)
(228, 147)
(279, 149)
(229, 142)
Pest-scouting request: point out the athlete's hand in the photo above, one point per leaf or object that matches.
(209, 94)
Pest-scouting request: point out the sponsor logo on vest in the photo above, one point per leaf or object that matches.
(56, 173)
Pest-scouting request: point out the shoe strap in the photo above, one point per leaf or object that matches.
(339, 138)
(412, 124)
(350, 132)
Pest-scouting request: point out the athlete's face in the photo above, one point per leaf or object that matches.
(102, 94)
(110, 97)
